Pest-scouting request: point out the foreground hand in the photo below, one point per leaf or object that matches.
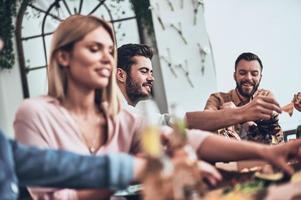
(279, 155)
(246, 126)
(297, 101)
(140, 165)
(260, 108)
(209, 172)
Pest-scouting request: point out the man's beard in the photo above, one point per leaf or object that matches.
(134, 91)
(239, 87)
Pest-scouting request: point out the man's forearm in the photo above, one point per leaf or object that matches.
(217, 148)
(213, 120)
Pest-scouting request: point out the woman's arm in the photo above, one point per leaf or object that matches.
(216, 148)
(219, 149)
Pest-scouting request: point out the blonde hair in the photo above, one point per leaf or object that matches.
(70, 31)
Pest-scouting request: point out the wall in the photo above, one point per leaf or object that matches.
(10, 98)
(269, 28)
(188, 85)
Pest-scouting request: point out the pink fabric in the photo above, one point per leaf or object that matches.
(44, 123)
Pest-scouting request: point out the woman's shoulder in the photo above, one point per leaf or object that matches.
(34, 105)
(39, 100)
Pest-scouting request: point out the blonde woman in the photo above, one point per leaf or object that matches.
(81, 111)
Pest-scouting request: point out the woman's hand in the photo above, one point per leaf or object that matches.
(279, 155)
(297, 101)
(139, 168)
(209, 172)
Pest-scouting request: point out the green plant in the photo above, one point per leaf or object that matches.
(7, 14)
(8, 11)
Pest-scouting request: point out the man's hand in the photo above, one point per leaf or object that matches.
(297, 101)
(260, 108)
(279, 155)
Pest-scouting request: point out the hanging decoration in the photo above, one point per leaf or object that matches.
(156, 11)
(185, 69)
(181, 4)
(196, 6)
(169, 63)
(203, 53)
(170, 5)
(179, 31)
(173, 7)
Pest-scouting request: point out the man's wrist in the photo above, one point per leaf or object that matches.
(239, 114)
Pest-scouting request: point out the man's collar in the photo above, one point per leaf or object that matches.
(123, 100)
(240, 100)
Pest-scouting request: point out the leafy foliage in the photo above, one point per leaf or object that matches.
(7, 13)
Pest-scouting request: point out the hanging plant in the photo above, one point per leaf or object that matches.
(8, 10)
(7, 13)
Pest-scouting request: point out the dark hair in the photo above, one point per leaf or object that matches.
(249, 57)
(126, 52)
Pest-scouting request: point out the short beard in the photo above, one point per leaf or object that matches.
(133, 91)
(246, 95)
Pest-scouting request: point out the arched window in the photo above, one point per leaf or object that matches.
(37, 20)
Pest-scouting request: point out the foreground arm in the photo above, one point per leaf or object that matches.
(213, 120)
(216, 148)
(260, 107)
(60, 169)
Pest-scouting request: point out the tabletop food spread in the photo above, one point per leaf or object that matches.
(175, 175)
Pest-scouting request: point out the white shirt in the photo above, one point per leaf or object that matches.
(148, 110)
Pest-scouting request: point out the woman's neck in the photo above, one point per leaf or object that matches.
(80, 101)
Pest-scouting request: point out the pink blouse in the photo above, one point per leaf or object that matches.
(44, 123)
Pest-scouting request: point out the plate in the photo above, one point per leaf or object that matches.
(129, 191)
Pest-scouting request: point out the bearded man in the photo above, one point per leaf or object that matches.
(135, 72)
(247, 75)
(135, 80)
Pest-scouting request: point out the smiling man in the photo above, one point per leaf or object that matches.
(247, 75)
(135, 72)
(135, 80)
